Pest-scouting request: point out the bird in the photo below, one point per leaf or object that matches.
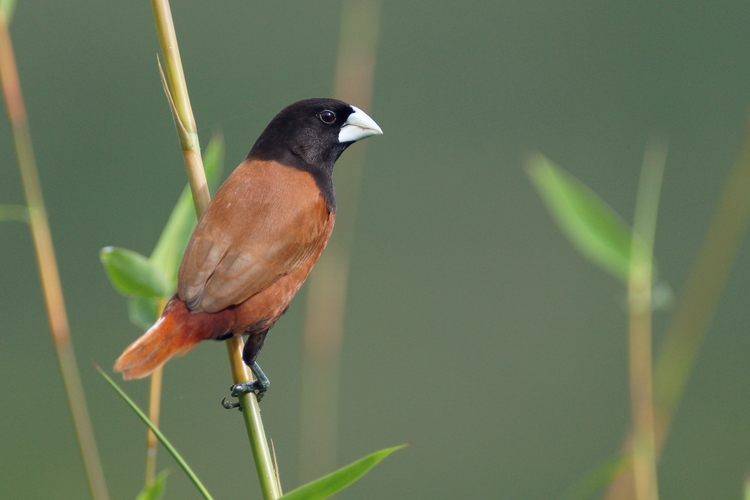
(257, 240)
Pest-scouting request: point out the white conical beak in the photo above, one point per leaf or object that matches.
(358, 126)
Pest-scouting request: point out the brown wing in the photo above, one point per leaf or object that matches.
(264, 221)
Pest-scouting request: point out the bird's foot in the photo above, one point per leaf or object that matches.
(256, 387)
(231, 404)
(259, 386)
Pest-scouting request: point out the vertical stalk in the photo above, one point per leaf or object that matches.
(326, 295)
(154, 408)
(697, 305)
(45, 254)
(703, 288)
(183, 111)
(264, 463)
(176, 89)
(639, 302)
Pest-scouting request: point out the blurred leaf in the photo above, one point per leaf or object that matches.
(598, 478)
(589, 223)
(171, 245)
(18, 213)
(133, 274)
(155, 489)
(337, 481)
(213, 160)
(147, 280)
(7, 7)
(142, 311)
(163, 440)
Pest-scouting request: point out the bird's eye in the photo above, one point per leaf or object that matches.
(327, 116)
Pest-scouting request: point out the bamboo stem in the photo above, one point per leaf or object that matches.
(178, 95)
(48, 271)
(264, 463)
(185, 123)
(692, 319)
(154, 408)
(639, 302)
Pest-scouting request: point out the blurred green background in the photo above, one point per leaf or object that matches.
(473, 329)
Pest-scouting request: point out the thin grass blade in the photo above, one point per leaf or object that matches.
(163, 440)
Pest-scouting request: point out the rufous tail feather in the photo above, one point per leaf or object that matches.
(167, 338)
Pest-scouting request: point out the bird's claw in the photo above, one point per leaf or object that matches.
(231, 404)
(257, 387)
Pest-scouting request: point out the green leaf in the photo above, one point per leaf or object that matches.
(155, 489)
(161, 268)
(171, 245)
(213, 160)
(590, 224)
(163, 440)
(337, 481)
(133, 274)
(143, 311)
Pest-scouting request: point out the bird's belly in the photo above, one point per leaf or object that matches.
(258, 313)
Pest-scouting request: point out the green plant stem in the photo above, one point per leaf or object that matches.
(676, 357)
(45, 254)
(639, 305)
(179, 99)
(154, 406)
(264, 463)
(162, 439)
(326, 292)
(154, 409)
(178, 94)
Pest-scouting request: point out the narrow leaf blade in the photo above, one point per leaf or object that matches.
(162, 439)
(337, 481)
(132, 274)
(590, 224)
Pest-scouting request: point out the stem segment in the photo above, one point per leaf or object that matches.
(264, 463)
(50, 277)
(639, 300)
(180, 100)
(177, 94)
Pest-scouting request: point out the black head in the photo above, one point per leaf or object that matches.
(315, 131)
(311, 135)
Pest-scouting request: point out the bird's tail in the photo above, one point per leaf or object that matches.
(170, 336)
